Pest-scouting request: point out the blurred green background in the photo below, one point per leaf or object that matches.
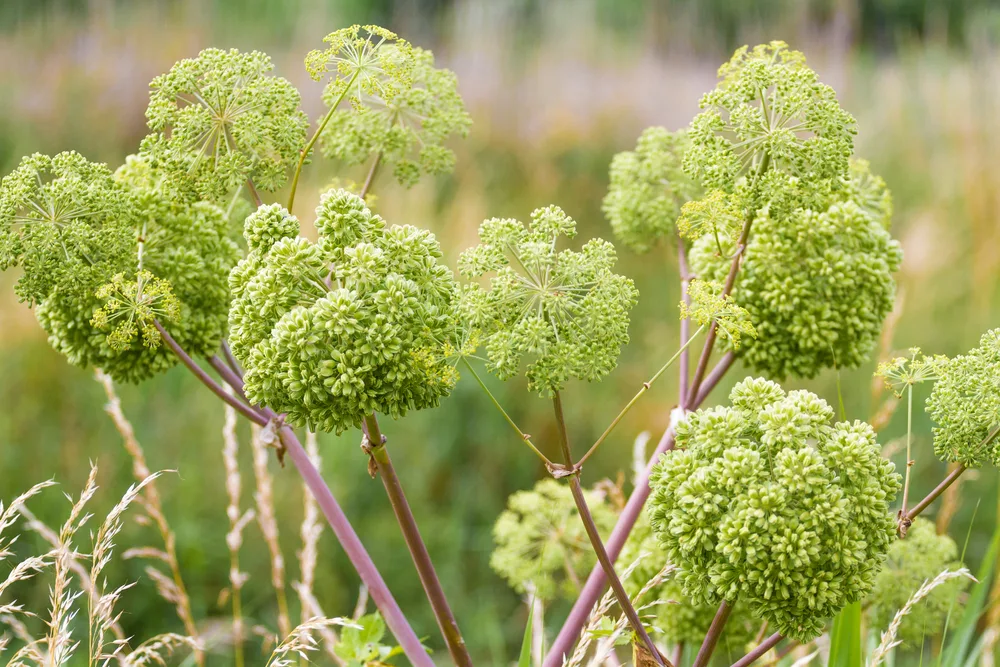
(555, 88)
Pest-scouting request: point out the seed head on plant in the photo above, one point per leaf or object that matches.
(356, 323)
(648, 186)
(565, 310)
(768, 105)
(396, 104)
(221, 119)
(912, 562)
(131, 306)
(541, 544)
(901, 372)
(708, 304)
(817, 280)
(965, 405)
(767, 504)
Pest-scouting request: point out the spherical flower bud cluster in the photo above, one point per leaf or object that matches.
(965, 405)
(648, 186)
(103, 255)
(913, 561)
(769, 111)
(678, 619)
(60, 216)
(565, 310)
(542, 548)
(816, 279)
(767, 504)
(222, 119)
(354, 324)
(390, 101)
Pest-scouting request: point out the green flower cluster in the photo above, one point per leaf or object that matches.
(816, 278)
(680, 619)
(541, 545)
(220, 119)
(386, 98)
(566, 310)
(919, 558)
(732, 321)
(769, 111)
(355, 324)
(111, 252)
(965, 405)
(648, 186)
(767, 504)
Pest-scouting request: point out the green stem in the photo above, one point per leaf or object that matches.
(371, 176)
(521, 435)
(909, 459)
(595, 538)
(315, 137)
(415, 543)
(635, 399)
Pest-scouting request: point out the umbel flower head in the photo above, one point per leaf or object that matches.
(541, 546)
(965, 405)
(769, 111)
(708, 304)
(222, 119)
(648, 186)
(388, 100)
(817, 279)
(766, 503)
(919, 558)
(60, 216)
(175, 268)
(357, 323)
(678, 619)
(565, 310)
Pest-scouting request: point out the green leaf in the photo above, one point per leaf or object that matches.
(845, 638)
(524, 660)
(954, 653)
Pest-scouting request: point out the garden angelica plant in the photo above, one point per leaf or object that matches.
(764, 515)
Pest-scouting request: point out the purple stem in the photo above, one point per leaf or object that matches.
(595, 583)
(760, 650)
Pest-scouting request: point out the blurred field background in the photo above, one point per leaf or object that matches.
(555, 88)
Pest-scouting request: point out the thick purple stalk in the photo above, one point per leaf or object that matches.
(415, 544)
(335, 516)
(595, 583)
(713, 635)
(759, 650)
(359, 557)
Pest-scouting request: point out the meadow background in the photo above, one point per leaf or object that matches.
(555, 88)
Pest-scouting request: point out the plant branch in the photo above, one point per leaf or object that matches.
(595, 537)
(682, 267)
(520, 434)
(304, 153)
(759, 651)
(378, 452)
(635, 399)
(907, 519)
(254, 195)
(230, 359)
(909, 456)
(230, 377)
(335, 516)
(594, 585)
(355, 550)
(241, 407)
(371, 176)
(713, 635)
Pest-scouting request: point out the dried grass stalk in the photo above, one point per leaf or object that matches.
(268, 522)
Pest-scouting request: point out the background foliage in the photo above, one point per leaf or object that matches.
(554, 89)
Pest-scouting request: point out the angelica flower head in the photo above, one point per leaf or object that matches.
(131, 305)
(965, 405)
(222, 119)
(647, 188)
(541, 544)
(708, 304)
(816, 278)
(718, 214)
(902, 372)
(388, 100)
(564, 311)
(766, 503)
(911, 562)
(59, 216)
(356, 323)
(769, 111)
